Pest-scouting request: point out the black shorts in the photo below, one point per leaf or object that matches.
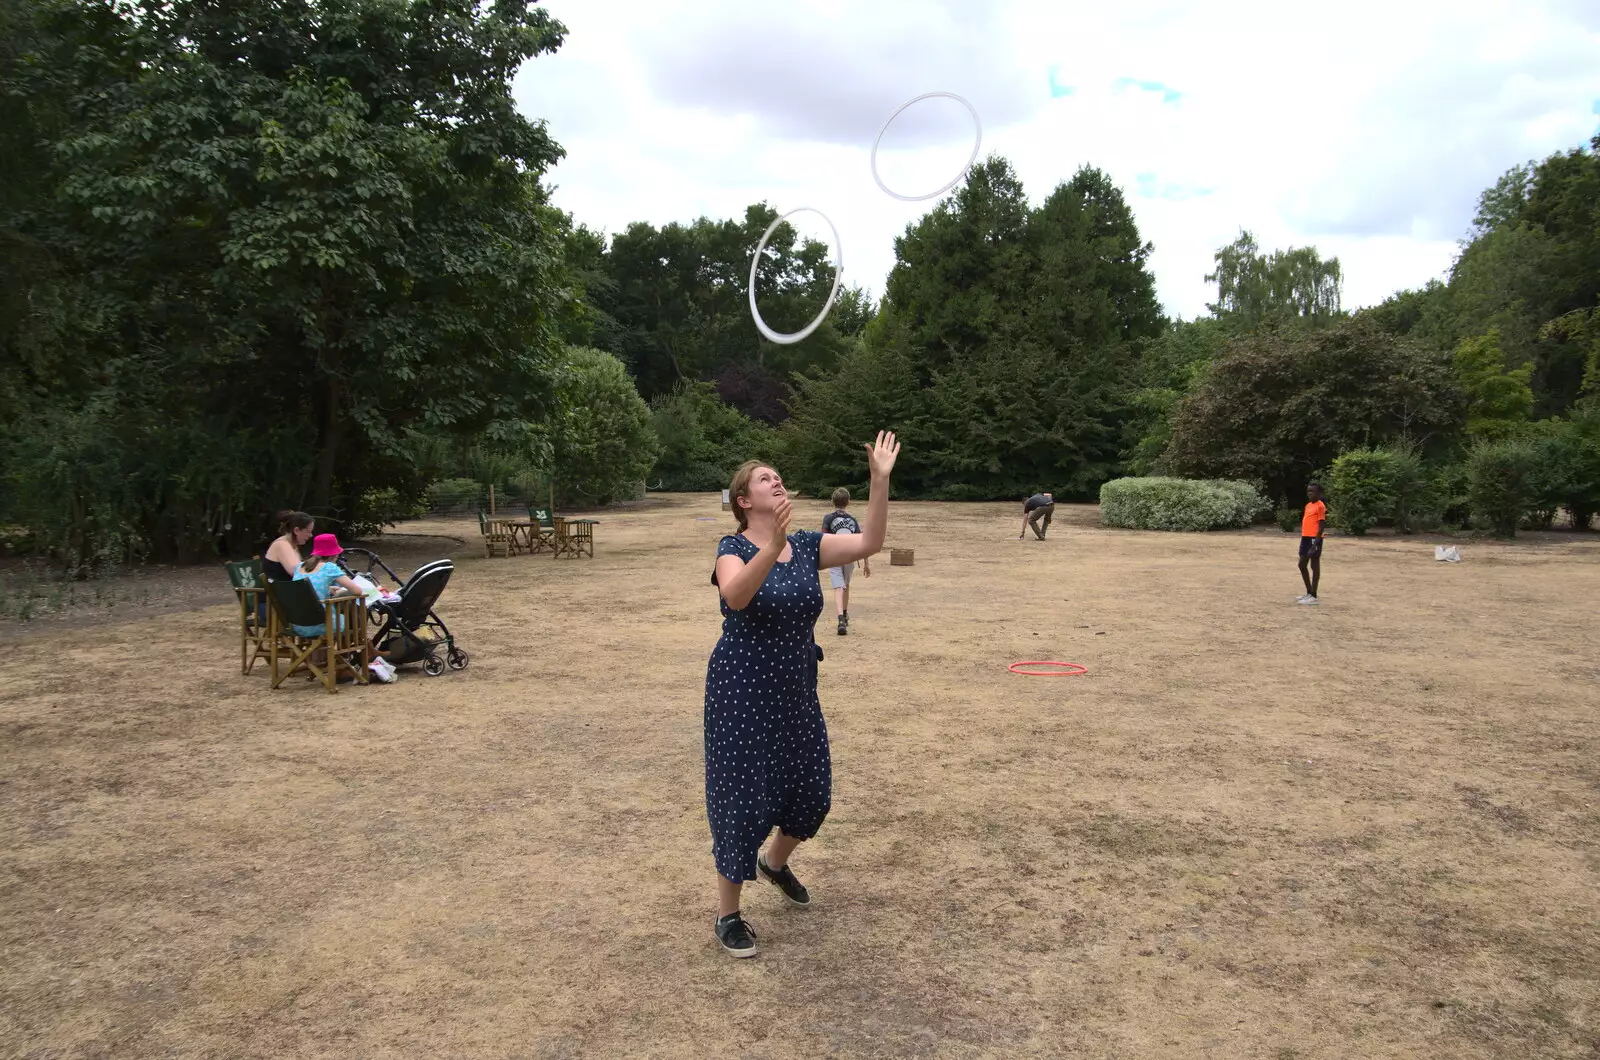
(1310, 546)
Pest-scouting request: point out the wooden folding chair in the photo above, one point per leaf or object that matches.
(343, 638)
(577, 537)
(497, 537)
(250, 586)
(541, 529)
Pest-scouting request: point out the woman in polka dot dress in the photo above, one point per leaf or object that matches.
(766, 744)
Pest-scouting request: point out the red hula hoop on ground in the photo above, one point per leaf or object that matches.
(1074, 672)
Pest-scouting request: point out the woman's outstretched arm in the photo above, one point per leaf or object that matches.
(838, 549)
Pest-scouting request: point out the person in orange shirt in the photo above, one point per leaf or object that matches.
(1312, 525)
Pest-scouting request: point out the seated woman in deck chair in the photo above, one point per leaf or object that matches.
(283, 555)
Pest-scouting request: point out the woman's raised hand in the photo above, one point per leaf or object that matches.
(881, 456)
(780, 523)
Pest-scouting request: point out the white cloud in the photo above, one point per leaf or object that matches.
(1367, 132)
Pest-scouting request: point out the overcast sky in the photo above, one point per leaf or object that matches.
(1366, 129)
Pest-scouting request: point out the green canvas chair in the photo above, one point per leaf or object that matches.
(562, 536)
(542, 528)
(343, 640)
(250, 586)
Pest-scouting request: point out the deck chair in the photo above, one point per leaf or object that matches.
(542, 532)
(343, 638)
(249, 585)
(497, 539)
(575, 537)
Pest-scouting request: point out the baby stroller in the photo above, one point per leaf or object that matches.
(408, 630)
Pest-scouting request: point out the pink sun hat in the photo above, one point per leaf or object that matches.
(326, 545)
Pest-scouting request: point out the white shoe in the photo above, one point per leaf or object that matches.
(1302, 598)
(1309, 601)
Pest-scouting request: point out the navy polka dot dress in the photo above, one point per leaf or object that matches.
(766, 744)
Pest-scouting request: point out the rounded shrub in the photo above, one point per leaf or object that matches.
(1361, 489)
(1157, 503)
(1501, 482)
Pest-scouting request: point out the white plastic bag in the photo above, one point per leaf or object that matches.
(1447, 553)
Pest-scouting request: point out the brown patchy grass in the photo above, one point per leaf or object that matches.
(1252, 830)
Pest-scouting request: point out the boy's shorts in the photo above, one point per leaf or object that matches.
(840, 576)
(1310, 546)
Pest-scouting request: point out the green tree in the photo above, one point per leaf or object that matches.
(1361, 488)
(1004, 350)
(289, 234)
(1254, 288)
(1499, 399)
(679, 297)
(1502, 483)
(604, 445)
(1169, 367)
(704, 440)
(1281, 404)
(1534, 258)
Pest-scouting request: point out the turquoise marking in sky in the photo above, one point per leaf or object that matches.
(1168, 94)
(1149, 186)
(1057, 89)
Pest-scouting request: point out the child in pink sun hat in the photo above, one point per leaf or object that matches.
(323, 574)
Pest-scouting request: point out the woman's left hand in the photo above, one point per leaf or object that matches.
(881, 457)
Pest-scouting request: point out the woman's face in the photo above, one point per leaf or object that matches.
(302, 536)
(766, 490)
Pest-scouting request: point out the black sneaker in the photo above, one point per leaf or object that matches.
(844, 626)
(737, 937)
(784, 881)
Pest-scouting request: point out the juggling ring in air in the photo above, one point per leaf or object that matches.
(976, 145)
(838, 274)
(1074, 672)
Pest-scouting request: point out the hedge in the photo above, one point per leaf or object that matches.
(1179, 504)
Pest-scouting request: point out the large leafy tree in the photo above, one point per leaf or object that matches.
(291, 234)
(677, 299)
(1004, 350)
(604, 446)
(1281, 403)
(1283, 286)
(1530, 272)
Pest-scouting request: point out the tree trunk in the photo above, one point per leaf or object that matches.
(332, 435)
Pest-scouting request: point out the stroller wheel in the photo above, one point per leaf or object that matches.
(433, 666)
(457, 658)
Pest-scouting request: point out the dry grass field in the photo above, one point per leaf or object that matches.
(1252, 829)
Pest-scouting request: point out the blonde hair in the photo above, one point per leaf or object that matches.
(841, 497)
(740, 487)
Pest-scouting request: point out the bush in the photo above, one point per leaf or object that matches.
(379, 508)
(1409, 482)
(1288, 519)
(1566, 471)
(703, 441)
(604, 444)
(1501, 476)
(1360, 489)
(1442, 502)
(454, 493)
(1178, 504)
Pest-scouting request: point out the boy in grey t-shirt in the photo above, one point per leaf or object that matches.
(840, 521)
(1036, 512)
